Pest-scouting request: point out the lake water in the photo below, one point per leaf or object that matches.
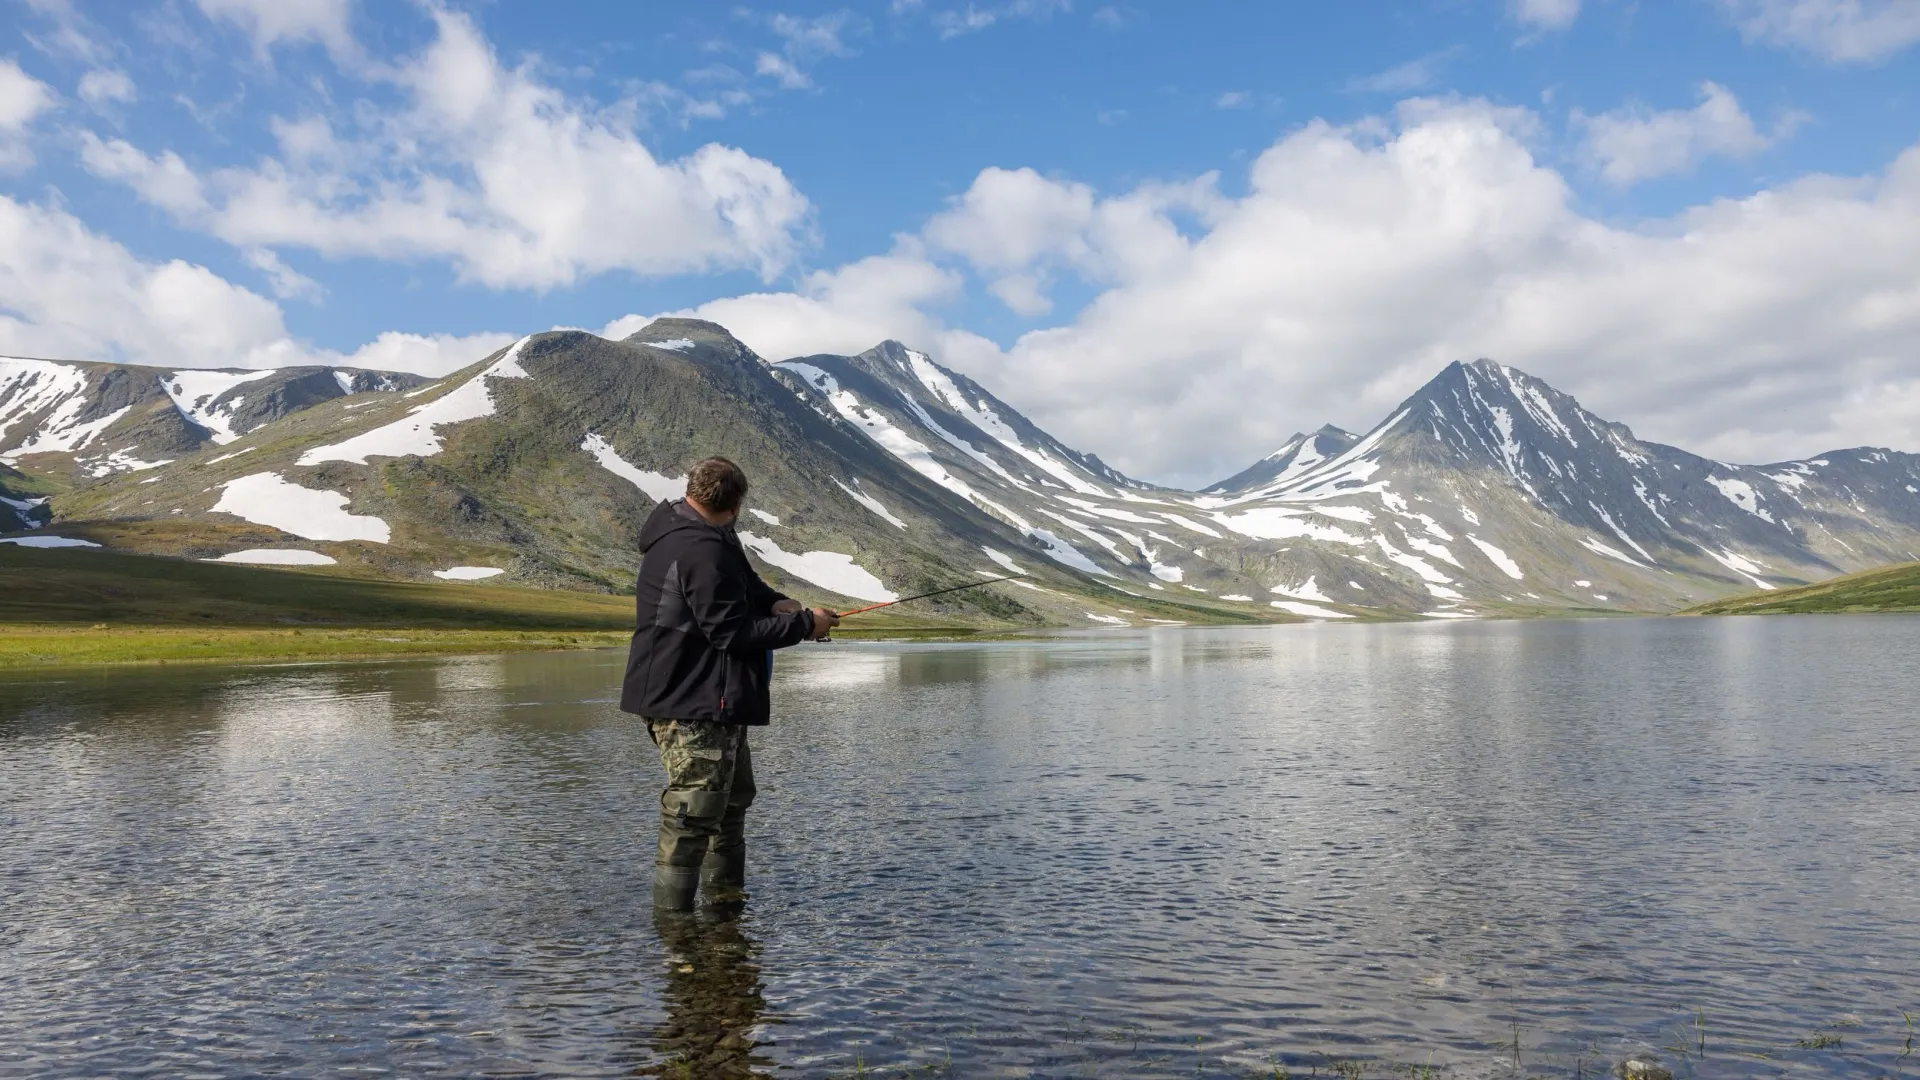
(1167, 853)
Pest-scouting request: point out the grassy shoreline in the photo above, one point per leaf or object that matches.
(94, 608)
(1888, 589)
(49, 645)
(52, 645)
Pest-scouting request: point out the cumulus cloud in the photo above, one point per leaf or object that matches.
(486, 167)
(163, 181)
(1635, 143)
(1544, 15)
(1843, 31)
(1360, 261)
(271, 22)
(1017, 228)
(22, 99)
(73, 294)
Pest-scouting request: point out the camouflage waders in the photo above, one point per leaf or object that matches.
(703, 812)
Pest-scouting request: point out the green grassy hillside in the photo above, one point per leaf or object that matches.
(96, 607)
(1888, 588)
(66, 586)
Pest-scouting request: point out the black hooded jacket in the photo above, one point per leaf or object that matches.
(704, 625)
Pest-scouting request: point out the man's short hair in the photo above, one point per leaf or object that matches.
(717, 484)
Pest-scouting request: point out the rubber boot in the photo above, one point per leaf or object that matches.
(723, 876)
(674, 886)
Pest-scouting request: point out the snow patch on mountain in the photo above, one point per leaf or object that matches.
(468, 573)
(1284, 523)
(1739, 564)
(1499, 557)
(1311, 611)
(888, 435)
(870, 503)
(944, 388)
(1741, 494)
(659, 488)
(1599, 548)
(119, 461)
(49, 541)
(415, 435)
(1426, 570)
(1002, 560)
(277, 557)
(1189, 523)
(34, 387)
(1305, 591)
(1064, 553)
(269, 499)
(193, 392)
(828, 569)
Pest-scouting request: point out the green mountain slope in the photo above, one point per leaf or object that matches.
(556, 451)
(60, 586)
(1888, 588)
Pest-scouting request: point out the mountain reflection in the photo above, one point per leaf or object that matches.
(713, 999)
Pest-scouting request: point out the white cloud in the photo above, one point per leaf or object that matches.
(423, 354)
(1544, 15)
(1016, 227)
(1634, 143)
(22, 99)
(1838, 30)
(954, 22)
(271, 22)
(847, 310)
(74, 294)
(288, 283)
(1363, 259)
(781, 70)
(71, 293)
(1415, 74)
(505, 177)
(165, 181)
(1233, 99)
(70, 37)
(806, 42)
(103, 86)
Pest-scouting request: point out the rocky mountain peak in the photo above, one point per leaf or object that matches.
(697, 338)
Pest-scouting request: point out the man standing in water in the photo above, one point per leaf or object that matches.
(702, 656)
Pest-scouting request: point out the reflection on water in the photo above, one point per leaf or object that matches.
(1157, 853)
(713, 999)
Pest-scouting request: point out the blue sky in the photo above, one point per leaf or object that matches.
(1671, 209)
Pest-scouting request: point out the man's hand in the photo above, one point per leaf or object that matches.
(785, 607)
(823, 622)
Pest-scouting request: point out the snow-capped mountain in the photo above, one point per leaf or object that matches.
(1298, 455)
(1486, 492)
(1490, 487)
(538, 465)
(100, 419)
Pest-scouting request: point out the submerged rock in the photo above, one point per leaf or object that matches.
(1642, 1069)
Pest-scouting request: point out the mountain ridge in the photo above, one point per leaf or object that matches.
(1486, 492)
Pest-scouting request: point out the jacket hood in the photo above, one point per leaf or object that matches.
(668, 518)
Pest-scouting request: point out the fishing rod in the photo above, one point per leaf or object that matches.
(924, 595)
(919, 596)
